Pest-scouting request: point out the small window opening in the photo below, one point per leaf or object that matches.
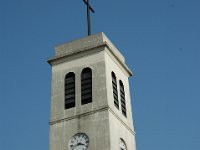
(70, 90)
(115, 93)
(122, 97)
(86, 86)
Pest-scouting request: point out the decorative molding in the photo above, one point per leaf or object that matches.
(86, 46)
(114, 114)
(104, 108)
(79, 115)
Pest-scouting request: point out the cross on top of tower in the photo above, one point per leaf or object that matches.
(89, 8)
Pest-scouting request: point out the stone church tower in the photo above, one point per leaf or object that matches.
(90, 97)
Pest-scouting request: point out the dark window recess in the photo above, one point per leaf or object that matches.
(70, 90)
(115, 94)
(123, 100)
(86, 86)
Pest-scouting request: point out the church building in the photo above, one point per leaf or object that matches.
(90, 97)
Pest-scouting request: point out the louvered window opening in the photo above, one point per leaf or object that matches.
(86, 86)
(115, 93)
(70, 90)
(123, 100)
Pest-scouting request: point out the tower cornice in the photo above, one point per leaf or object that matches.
(86, 46)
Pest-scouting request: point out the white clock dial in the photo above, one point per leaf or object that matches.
(79, 141)
(122, 145)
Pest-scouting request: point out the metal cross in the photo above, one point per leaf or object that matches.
(89, 8)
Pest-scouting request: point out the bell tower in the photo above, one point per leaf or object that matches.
(90, 97)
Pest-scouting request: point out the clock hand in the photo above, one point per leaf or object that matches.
(80, 144)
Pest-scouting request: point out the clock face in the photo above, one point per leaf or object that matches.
(79, 141)
(122, 145)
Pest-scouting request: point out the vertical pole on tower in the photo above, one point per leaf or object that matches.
(88, 17)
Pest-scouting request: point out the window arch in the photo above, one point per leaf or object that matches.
(70, 90)
(122, 144)
(86, 86)
(122, 97)
(115, 93)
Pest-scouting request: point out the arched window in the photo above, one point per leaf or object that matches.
(86, 86)
(122, 144)
(122, 97)
(70, 90)
(115, 94)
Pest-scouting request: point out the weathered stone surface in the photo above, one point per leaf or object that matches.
(86, 43)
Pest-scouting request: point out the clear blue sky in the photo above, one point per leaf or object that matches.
(159, 38)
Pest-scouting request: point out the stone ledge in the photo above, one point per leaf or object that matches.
(83, 44)
(52, 122)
